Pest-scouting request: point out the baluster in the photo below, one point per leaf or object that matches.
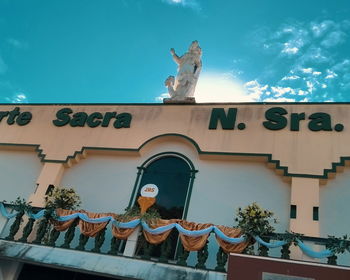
(263, 250)
(285, 252)
(82, 242)
(183, 255)
(69, 235)
(221, 259)
(42, 228)
(15, 226)
(202, 256)
(165, 250)
(99, 239)
(114, 246)
(54, 234)
(147, 250)
(332, 260)
(27, 230)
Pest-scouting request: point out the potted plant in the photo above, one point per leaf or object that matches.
(57, 197)
(61, 197)
(255, 221)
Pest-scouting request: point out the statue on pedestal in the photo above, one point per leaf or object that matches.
(181, 88)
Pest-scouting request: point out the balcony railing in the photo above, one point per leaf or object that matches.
(22, 228)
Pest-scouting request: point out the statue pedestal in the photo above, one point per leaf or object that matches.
(186, 100)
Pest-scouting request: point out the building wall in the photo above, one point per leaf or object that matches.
(297, 147)
(223, 186)
(19, 171)
(105, 183)
(335, 206)
(232, 164)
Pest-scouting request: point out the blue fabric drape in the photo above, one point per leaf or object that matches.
(134, 223)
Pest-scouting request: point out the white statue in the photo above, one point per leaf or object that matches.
(182, 87)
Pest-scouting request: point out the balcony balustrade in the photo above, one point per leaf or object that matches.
(41, 232)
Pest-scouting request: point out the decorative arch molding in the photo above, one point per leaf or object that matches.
(283, 170)
(163, 154)
(174, 136)
(154, 158)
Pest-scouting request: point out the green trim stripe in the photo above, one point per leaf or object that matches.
(277, 163)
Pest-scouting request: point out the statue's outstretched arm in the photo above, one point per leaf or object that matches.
(176, 58)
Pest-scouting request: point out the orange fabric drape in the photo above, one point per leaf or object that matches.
(123, 233)
(233, 233)
(158, 238)
(92, 229)
(191, 243)
(62, 226)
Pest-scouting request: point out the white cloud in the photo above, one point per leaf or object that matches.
(185, 3)
(279, 91)
(19, 97)
(289, 49)
(334, 38)
(255, 89)
(223, 87)
(279, 99)
(331, 74)
(310, 86)
(342, 66)
(288, 78)
(308, 57)
(319, 29)
(162, 96)
(3, 66)
(314, 54)
(303, 92)
(307, 70)
(17, 43)
(296, 39)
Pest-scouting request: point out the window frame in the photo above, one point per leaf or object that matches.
(158, 156)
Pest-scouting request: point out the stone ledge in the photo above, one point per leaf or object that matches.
(187, 100)
(100, 264)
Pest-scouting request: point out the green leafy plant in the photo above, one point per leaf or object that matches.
(60, 197)
(290, 237)
(21, 205)
(254, 220)
(338, 245)
(134, 212)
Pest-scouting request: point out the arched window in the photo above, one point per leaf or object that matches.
(173, 174)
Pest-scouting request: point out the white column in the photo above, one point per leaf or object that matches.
(131, 243)
(305, 193)
(51, 173)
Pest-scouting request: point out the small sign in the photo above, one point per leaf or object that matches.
(149, 190)
(274, 276)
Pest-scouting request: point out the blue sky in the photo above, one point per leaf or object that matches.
(117, 51)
